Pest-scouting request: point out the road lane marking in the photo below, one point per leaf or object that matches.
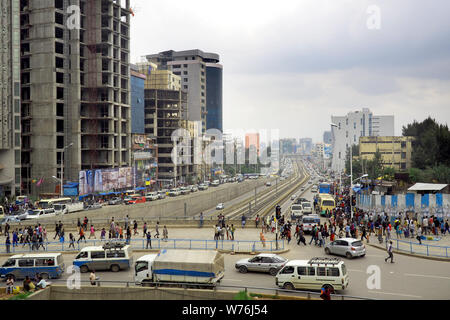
(355, 270)
(425, 276)
(395, 294)
(232, 280)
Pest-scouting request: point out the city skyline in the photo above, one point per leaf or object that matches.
(397, 69)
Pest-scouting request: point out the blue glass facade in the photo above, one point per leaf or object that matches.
(137, 105)
(214, 98)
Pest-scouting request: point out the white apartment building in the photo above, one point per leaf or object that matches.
(352, 126)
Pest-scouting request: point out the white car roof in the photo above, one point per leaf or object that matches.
(147, 257)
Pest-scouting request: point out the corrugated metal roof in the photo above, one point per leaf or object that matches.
(427, 187)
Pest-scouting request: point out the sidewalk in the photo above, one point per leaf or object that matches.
(411, 246)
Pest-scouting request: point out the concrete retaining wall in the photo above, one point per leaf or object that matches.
(57, 292)
(171, 207)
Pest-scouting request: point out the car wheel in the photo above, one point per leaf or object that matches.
(328, 286)
(243, 269)
(115, 268)
(288, 286)
(363, 255)
(348, 255)
(84, 269)
(327, 251)
(273, 272)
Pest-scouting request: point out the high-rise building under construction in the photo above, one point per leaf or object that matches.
(75, 89)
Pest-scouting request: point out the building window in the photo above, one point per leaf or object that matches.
(354, 125)
(346, 134)
(346, 122)
(185, 73)
(354, 138)
(403, 155)
(185, 65)
(403, 144)
(339, 154)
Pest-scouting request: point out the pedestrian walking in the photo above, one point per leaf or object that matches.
(103, 234)
(263, 239)
(419, 235)
(81, 233)
(243, 220)
(144, 229)
(232, 231)
(92, 234)
(165, 233)
(389, 251)
(8, 244)
(71, 240)
(128, 235)
(135, 227)
(149, 240)
(10, 285)
(157, 230)
(257, 221)
(201, 219)
(126, 222)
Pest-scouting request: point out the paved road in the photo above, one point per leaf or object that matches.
(407, 278)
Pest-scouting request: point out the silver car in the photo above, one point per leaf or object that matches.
(264, 262)
(348, 247)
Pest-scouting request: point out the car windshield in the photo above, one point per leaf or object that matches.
(307, 205)
(33, 212)
(344, 270)
(296, 207)
(328, 203)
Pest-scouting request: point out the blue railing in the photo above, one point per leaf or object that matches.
(199, 244)
(421, 249)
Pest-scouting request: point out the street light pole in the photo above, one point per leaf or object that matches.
(62, 169)
(351, 182)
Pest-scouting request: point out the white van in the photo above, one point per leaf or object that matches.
(296, 211)
(313, 274)
(113, 256)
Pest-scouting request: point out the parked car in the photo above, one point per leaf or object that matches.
(94, 206)
(174, 192)
(151, 196)
(293, 197)
(220, 206)
(263, 262)
(135, 200)
(115, 201)
(161, 194)
(203, 186)
(194, 188)
(185, 190)
(347, 247)
(215, 183)
(9, 220)
(268, 184)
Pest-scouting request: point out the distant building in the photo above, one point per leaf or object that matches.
(395, 151)
(288, 146)
(306, 145)
(252, 139)
(327, 137)
(351, 127)
(137, 100)
(194, 67)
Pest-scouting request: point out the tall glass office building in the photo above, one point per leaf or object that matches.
(214, 98)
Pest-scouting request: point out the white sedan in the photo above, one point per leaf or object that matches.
(220, 206)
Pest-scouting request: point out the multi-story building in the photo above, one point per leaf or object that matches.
(10, 128)
(352, 126)
(395, 151)
(164, 110)
(306, 145)
(137, 100)
(252, 139)
(214, 98)
(193, 67)
(318, 150)
(75, 89)
(327, 137)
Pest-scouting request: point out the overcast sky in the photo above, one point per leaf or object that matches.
(290, 65)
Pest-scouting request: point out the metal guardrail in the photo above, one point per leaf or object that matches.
(275, 291)
(156, 243)
(422, 249)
